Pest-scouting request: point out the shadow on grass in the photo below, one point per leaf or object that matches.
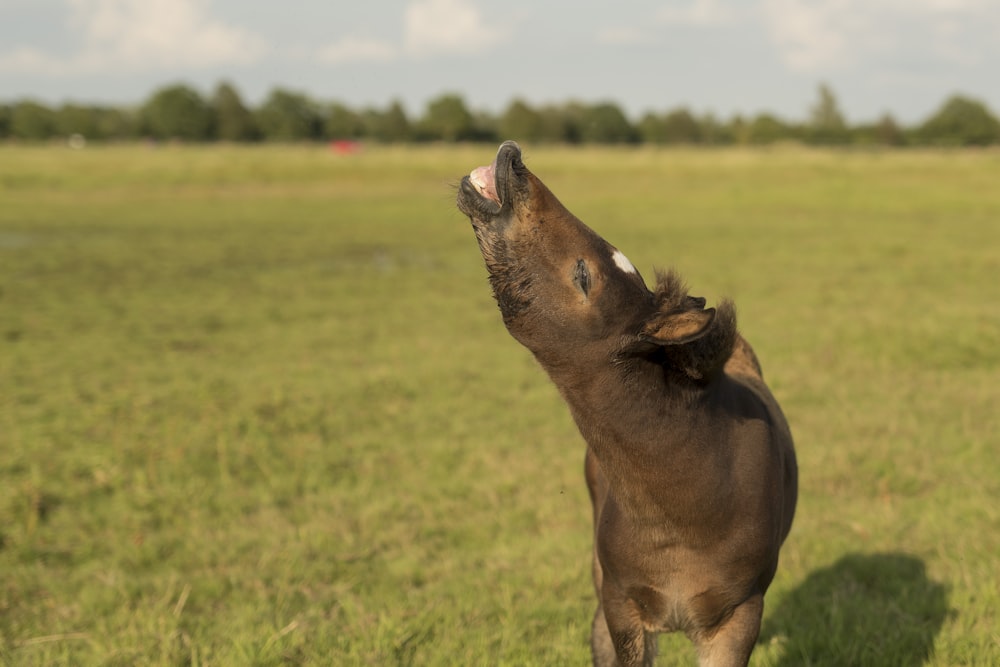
(865, 609)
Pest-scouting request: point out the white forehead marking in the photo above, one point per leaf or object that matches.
(621, 261)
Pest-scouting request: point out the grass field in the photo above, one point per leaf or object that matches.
(257, 406)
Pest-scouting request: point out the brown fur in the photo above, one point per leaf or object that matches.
(690, 463)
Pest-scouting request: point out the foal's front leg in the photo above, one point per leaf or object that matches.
(633, 645)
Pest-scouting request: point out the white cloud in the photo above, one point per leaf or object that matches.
(29, 60)
(840, 34)
(813, 36)
(130, 35)
(688, 14)
(356, 49)
(435, 27)
(430, 28)
(948, 5)
(698, 12)
(621, 36)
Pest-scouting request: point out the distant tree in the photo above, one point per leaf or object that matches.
(826, 122)
(961, 122)
(389, 126)
(343, 123)
(523, 123)
(178, 112)
(739, 128)
(682, 127)
(118, 124)
(288, 116)
(650, 129)
(447, 119)
(370, 119)
(888, 132)
(233, 120)
(675, 127)
(485, 127)
(78, 119)
(5, 113)
(32, 121)
(604, 123)
(885, 132)
(715, 132)
(767, 129)
(562, 124)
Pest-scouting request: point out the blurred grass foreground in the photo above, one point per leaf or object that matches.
(257, 405)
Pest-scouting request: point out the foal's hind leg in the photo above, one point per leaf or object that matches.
(633, 645)
(602, 650)
(734, 640)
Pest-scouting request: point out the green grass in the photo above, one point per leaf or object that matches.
(257, 405)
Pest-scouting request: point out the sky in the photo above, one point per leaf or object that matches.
(903, 57)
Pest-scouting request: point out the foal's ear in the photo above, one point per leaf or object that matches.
(677, 327)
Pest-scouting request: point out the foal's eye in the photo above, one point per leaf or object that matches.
(581, 277)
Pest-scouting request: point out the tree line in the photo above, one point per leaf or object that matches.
(179, 112)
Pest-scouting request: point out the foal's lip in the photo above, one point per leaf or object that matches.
(483, 179)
